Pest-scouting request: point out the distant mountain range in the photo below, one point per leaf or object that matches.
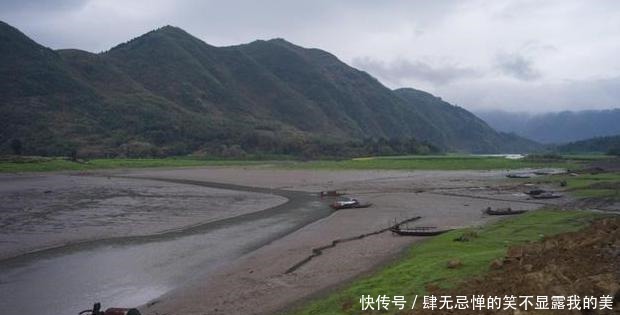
(167, 92)
(609, 145)
(560, 127)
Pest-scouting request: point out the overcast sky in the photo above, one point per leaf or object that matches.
(533, 56)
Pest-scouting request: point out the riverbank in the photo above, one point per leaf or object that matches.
(239, 266)
(259, 283)
(14, 164)
(426, 265)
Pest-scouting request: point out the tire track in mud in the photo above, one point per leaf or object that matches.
(317, 251)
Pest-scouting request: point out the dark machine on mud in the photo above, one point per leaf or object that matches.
(110, 311)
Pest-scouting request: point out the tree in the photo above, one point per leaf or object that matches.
(73, 154)
(16, 146)
(614, 151)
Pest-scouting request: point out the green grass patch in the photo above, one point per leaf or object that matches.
(425, 162)
(602, 185)
(60, 164)
(426, 262)
(593, 156)
(443, 162)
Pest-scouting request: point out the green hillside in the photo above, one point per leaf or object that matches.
(459, 129)
(609, 145)
(169, 93)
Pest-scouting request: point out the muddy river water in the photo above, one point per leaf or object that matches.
(130, 271)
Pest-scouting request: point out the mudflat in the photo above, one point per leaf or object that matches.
(228, 237)
(43, 211)
(260, 282)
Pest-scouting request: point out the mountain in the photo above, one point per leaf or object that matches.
(167, 92)
(464, 130)
(609, 145)
(560, 127)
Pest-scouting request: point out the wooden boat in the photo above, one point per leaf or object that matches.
(503, 211)
(349, 204)
(331, 193)
(536, 192)
(418, 231)
(517, 175)
(547, 195)
(541, 173)
(96, 310)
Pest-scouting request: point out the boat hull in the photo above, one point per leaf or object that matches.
(341, 207)
(512, 212)
(417, 232)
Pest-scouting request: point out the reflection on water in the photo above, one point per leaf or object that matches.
(508, 156)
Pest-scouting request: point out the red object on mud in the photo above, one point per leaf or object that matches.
(110, 311)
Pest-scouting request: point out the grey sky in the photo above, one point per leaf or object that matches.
(527, 55)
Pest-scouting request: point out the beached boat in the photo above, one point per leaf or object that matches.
(547, 195)
(96, 310)
(503, 211)
(349, 204)
(418, 231)
(518, 175)
(535, 192)
(331, 193)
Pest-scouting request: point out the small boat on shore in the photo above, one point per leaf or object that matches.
(535, 192)
(547, 195)
(418, 231)
(519, 175)
(96, 310)
(331, 193)
(349, 204)
(503, 211)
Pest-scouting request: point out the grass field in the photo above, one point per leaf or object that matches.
(441, 162)
(602, 185)
(59, 164)
(426, 263)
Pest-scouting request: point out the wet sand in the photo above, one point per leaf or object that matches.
(43, 211)
(258, 283)
(247, 278)
(131, 270)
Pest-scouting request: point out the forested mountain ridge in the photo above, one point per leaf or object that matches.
(609, 145)
(167, 92)
(556, 127)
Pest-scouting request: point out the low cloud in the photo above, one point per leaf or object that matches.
(401, 70)
(534, 96)
(517, 66)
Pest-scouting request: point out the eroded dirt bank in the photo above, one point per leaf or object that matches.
(585, 263)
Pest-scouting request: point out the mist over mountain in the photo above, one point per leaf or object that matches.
(560, 127)
(167, 92)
